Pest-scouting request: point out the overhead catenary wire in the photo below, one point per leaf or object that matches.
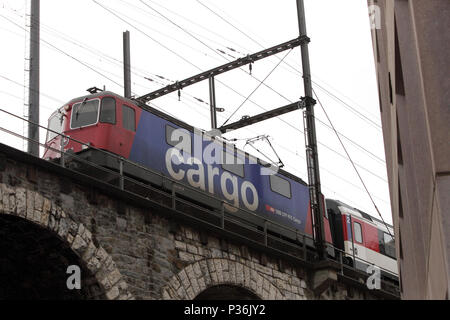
(21, 98)
(147, 35)
(167, 48)
(192, 64)
(22, 85)
(359, 146)
(291, 68)
(354, 143)
(209, 47)
(296, 154)
(189, 33)
(164, 110)
(332, 126)
(289, 65)
(261, 83)
(322, 144)
(256, 89)
(63, 52)
(353, 164)
(209, 30)
(97, 53)
(321, 87)
(78, 43)
(88, 65)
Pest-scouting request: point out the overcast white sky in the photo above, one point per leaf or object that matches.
(341, 61)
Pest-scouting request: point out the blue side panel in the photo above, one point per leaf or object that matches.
(292, 211)
(149, 131)
(150, 147)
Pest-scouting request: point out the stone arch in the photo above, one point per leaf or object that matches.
(226, 292)
(202, 275)
(34, 263)
(33, 207)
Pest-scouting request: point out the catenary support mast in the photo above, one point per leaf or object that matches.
(312, 158)
(307, 103)
(212, 99)
(126, 64)
(33, 103)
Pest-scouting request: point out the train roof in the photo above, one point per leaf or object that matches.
(177, 122)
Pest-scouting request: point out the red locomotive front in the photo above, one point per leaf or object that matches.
(104, 120)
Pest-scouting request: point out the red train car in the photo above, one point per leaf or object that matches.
(364, 239)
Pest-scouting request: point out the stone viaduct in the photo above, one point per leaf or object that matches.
(129, 248)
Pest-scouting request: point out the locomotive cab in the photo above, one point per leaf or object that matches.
(54, 138)
(104, 121)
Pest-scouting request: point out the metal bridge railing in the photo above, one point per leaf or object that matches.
(229, 218)
(252, 221)
(347, 269)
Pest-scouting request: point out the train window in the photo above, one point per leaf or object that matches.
(84, 113)
(128, 118)
(358, 232)
(108, 110)
(389, 245)
(178, 138)
(233, 164)
(56, 125)
(237, 169)
(280, 186)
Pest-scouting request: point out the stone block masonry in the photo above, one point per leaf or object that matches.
(136, 252)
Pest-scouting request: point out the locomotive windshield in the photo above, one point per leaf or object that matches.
(85, 113)
(389, 245)
(55, 124)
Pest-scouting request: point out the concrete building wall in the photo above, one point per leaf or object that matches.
(411, 49)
